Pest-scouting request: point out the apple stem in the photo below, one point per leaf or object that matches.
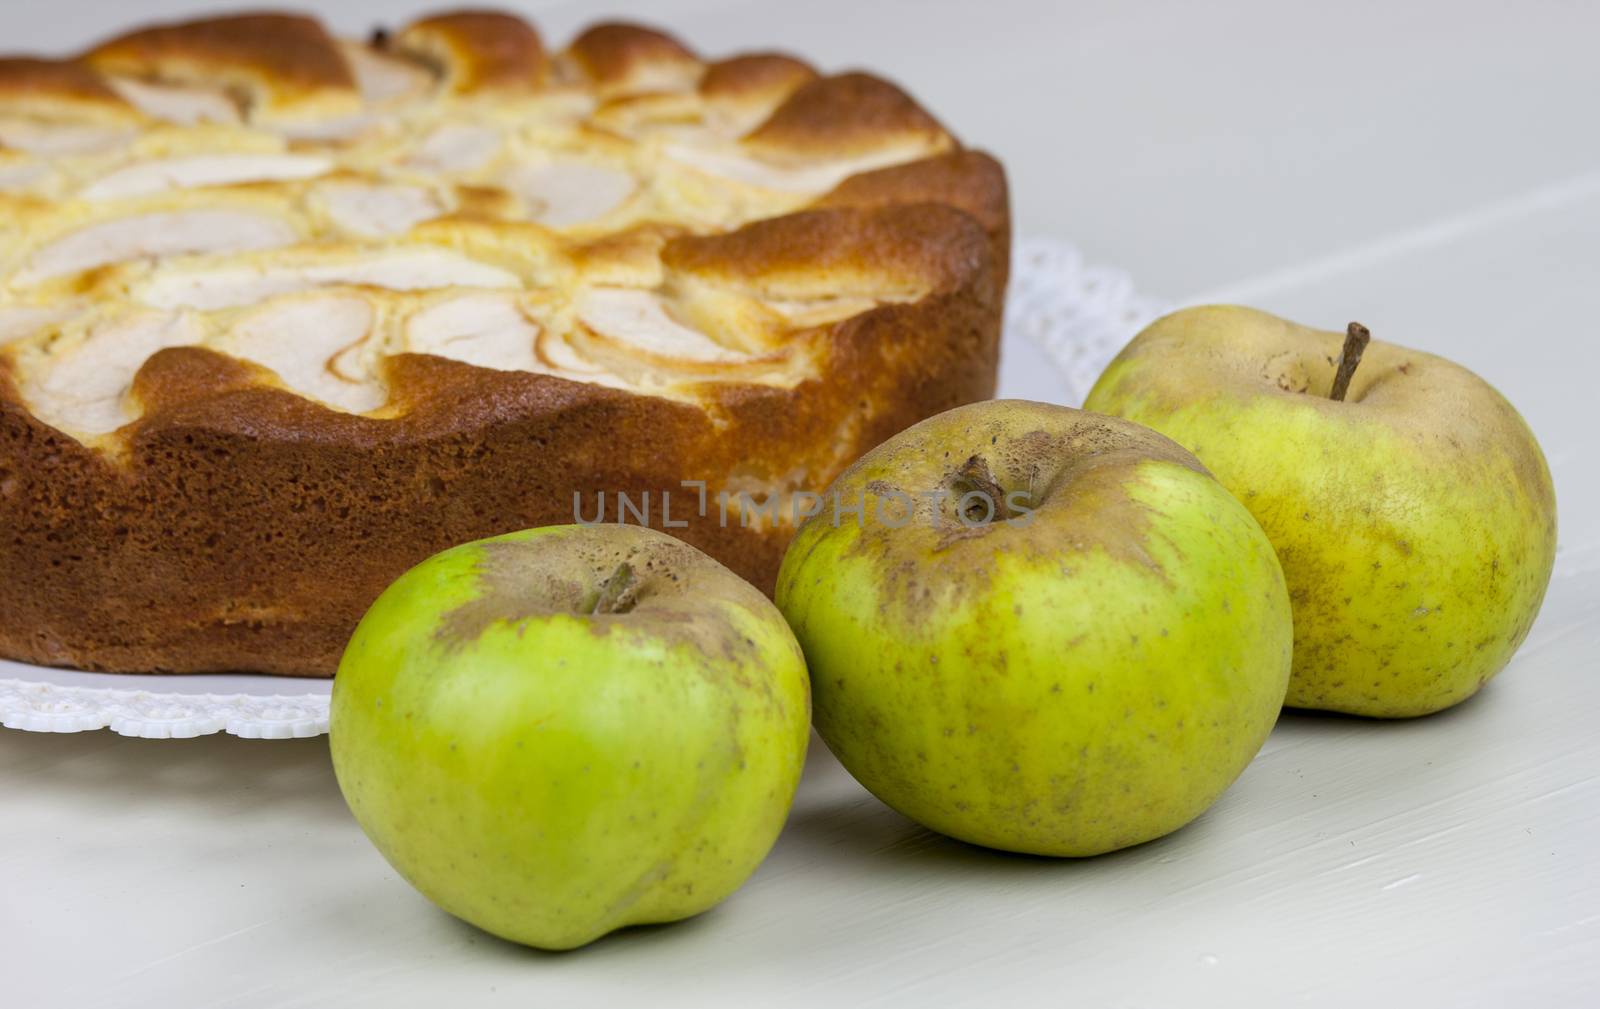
(974, 476)
(619, 593)
(1356, 338)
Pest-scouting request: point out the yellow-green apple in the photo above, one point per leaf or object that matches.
(1045, 631)
(559, 732)
(1409, 503)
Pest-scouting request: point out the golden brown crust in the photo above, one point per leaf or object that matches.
(767, 77)
(63, 88)
(968, 180)
(840, 251)
(618, 58)
(478, 50)
(275, 61)
(853, 112)
(237, 524)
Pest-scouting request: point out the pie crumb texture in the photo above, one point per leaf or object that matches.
(281, 314)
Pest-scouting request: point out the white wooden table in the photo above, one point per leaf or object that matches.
(1431, 168)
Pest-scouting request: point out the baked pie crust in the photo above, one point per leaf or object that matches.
(282, 315)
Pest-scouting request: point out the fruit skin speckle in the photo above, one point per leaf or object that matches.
(1416, 521)
(1088, 680)
(551, 773)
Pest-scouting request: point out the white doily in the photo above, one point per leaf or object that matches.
(161, 707)
(1080, 315)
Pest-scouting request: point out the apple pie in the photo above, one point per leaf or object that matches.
(282, 314)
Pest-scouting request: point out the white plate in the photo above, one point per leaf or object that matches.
(1058, 310)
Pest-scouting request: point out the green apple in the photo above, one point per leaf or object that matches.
(1046, 631)
(560, 732)
(1412, 509)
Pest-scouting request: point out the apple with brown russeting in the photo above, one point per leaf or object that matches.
(1408, 501)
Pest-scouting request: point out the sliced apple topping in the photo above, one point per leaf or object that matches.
(317, 345)
(18, 175)
(456, 148)
(382, 78)
(150, 177)
(487, 330)
(337, 130)
(631, 334)
(822, 311)
(495, 331)
(557, 356)
(186, 104)
(81, 384)
(18, 322)
(378, 210)
(165, 233)
(401, 269)
(48, 139)
(638, 322)
(732, 163)
(565, 193)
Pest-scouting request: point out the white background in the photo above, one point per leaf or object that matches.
(1431, 168)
